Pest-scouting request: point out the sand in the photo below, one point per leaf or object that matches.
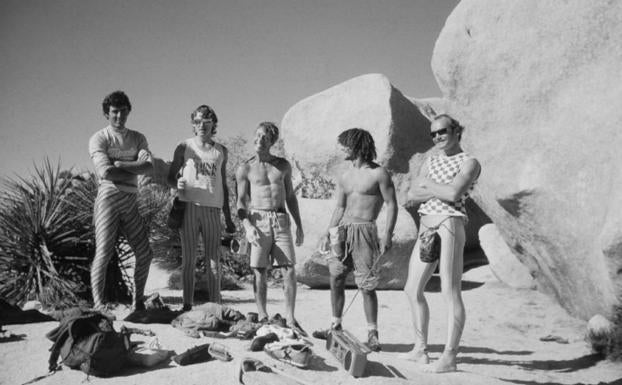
(501, 342)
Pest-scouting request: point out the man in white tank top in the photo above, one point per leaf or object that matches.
(198, 171)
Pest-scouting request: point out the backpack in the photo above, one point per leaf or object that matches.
(89, 343)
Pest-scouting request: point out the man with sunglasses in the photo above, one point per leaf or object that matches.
(441, 190)
(198, 171)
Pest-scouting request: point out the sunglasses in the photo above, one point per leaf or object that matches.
(202, 121)
(442, 131)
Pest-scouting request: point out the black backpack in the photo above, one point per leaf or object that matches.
(89, 343)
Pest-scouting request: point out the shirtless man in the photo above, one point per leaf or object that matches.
(119, 155)
(352, 233)
(264, 186)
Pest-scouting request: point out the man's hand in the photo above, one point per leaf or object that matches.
(229, 226)
(386, 245)
(181, 184)
(324, 244)
(300, 236)
(252, 234)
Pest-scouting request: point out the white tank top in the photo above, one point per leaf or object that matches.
(202, 171)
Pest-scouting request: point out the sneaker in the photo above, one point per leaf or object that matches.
(297, 355)
(372, 341)
(323, 334)
(298, 329)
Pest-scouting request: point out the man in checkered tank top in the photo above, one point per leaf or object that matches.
(441, 189)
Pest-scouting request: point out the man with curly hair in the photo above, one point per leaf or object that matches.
(352, 234)
(119, 155)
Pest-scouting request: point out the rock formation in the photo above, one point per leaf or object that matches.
(536, 84)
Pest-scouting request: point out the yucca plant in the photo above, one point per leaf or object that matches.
(44, 253)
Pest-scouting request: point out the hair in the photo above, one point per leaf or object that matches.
(360, 142)
(453, 124)
(271, 129)
(206, 111)
(116, 99)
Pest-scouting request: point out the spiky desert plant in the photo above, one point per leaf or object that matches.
(43, 250)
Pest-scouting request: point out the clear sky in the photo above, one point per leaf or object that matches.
(251, 60)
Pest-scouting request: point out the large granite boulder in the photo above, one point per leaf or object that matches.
(535, 84)
(400, 127)
(503, 263)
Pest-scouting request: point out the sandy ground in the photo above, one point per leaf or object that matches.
(501, 343)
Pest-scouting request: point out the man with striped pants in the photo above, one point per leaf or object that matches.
(119, 155)
(199, 172)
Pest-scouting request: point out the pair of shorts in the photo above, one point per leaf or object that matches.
(276, 245)
(361, 250)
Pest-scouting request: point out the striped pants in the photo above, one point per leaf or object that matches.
(207, 221)
(118, 210)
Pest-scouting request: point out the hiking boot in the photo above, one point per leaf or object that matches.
(323, 334)
(298, 329)
(372, 341)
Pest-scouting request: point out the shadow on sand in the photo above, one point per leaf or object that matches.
(434, 285)
(402, 348)
(563, 366)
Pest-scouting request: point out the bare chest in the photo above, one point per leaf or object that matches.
(265, 174)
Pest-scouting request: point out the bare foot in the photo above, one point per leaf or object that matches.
(446, 363)
(418, 356)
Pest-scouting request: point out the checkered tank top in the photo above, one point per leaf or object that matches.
(443, 169)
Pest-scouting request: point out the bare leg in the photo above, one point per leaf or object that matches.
(261, 288)
(289, 287)
(370, 305)
(452, 246)
(419, 274)
(338, 294)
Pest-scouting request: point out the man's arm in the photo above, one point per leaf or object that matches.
(335, 218)
(143, 163)
(292, 203)
(453, 191)
(387, 190)
(103, 166)
(178, 161)
(418, 194)
(243, 190)
(229, 226)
